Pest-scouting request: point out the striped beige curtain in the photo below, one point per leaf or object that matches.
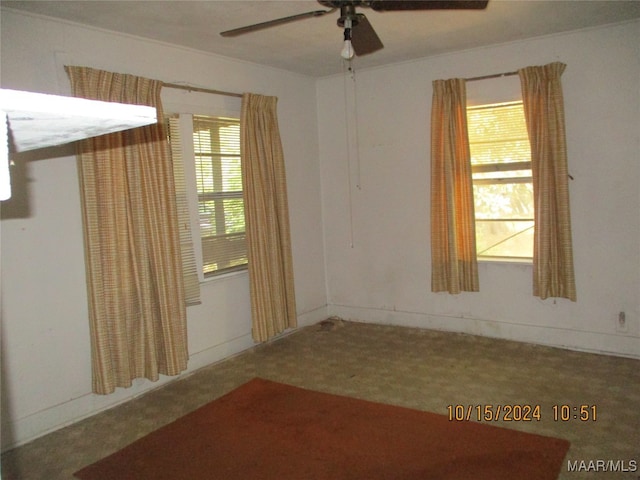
(137, 310)
(273, 305)
(553, 274)
(454, 264)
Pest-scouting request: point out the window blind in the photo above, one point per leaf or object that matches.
(218, 164)
(498, 138)
(189, 268)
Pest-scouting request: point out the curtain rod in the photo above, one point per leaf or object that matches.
(200, 89)
(495, 75)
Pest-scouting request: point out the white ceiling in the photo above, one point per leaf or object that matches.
(311, 46)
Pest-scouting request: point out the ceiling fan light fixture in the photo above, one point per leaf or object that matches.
(366, 39)
(347, 48)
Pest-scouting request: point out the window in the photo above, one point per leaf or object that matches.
(208, 175)
(502, 183)
(216, 144)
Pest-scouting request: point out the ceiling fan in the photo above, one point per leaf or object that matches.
(359, 36)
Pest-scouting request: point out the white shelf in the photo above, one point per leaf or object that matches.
(38, 120)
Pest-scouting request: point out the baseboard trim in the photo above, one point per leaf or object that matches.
(46, 421)
(591, 342)
(313, 316)
(26, 429)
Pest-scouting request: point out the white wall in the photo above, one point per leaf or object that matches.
(375, 192)
(372, 212)
(46, 377)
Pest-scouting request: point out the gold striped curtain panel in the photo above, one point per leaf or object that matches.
(137, 310)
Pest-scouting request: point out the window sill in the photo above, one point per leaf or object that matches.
(513, 261)
(223, 276)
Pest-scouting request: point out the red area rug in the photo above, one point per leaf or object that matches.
(267, 430)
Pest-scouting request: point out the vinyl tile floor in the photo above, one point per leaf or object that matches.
(436, 371)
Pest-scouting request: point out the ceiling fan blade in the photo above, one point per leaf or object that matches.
(272, 23)
(391, 5)
(364, 38)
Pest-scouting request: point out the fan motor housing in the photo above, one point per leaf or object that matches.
(347, 10)
(342, 3)
(408, 5)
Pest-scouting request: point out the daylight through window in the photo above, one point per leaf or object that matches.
(216, 142)
(502, 183)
